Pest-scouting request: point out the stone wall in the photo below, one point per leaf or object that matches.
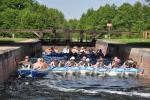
(102, 45)
(10, 55)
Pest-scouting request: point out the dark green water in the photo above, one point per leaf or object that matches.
(79, 87)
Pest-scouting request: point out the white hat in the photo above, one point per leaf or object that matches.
(87, 59)
(75, 47)
(72, 58)
(83, 58)
(130, 61)
(82, 47)
(39, 59)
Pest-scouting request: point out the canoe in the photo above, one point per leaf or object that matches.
(26, 72)
(89, 70)
(58, 70)
(99, 71)
(116, 72)
(82, 70)
(73, 70)
(39, 73)
(133, 71)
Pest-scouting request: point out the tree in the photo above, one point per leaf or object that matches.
(87, 20)
(73, 24)
(29, 14)
(148, 1)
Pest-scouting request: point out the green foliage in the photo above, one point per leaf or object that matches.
(148, 1)
(28, 14)
(24, 35)
(9, 35)
(72, 24)
(127, 17)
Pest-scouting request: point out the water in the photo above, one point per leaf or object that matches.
(76, 87)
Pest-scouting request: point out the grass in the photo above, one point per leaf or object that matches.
(8, 40)
(138, 40)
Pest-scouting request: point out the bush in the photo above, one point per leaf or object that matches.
(9, 35)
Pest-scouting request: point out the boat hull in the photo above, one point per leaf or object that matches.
(32, 73)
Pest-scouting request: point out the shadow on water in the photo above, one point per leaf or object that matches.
(6, 42)
(140, 44)
(77, 87)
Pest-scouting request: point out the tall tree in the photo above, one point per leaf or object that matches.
(148, 1)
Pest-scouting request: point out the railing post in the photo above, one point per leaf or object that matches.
(81, 36)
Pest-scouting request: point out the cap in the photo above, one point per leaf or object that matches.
(130, 61)
(39, 59)
(26, 57)
(87, 59)
(72, 58)
(82, 47)
(115, 58)
(83, 58)
(75, 47)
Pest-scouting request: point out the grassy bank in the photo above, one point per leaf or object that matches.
(9, 40)
(128, 40)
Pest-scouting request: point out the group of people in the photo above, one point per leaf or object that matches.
(40, 63)
(75, 61)
(77, 52)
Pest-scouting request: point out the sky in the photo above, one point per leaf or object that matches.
(75, 8)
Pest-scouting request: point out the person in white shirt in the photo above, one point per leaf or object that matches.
(66, 50)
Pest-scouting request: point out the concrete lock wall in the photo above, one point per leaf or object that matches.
(9, 56)
(124, 51)
(103, 46)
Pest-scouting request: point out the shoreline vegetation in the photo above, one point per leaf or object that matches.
(29, 14)
(14, 40)
(126, 41)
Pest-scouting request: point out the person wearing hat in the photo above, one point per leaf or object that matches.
(43, 64)
(66, 50)
(87, 63)
(37, 65)
(82, 49)
(71, 62)
(40, 64)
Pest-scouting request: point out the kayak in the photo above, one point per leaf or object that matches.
(39, 73)
(24, 72)
(116, 72)
(98, 71)
(58, 70)
(73, 70)
(28, 72)
(82, 70)
(133, 71)
(89, 70)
